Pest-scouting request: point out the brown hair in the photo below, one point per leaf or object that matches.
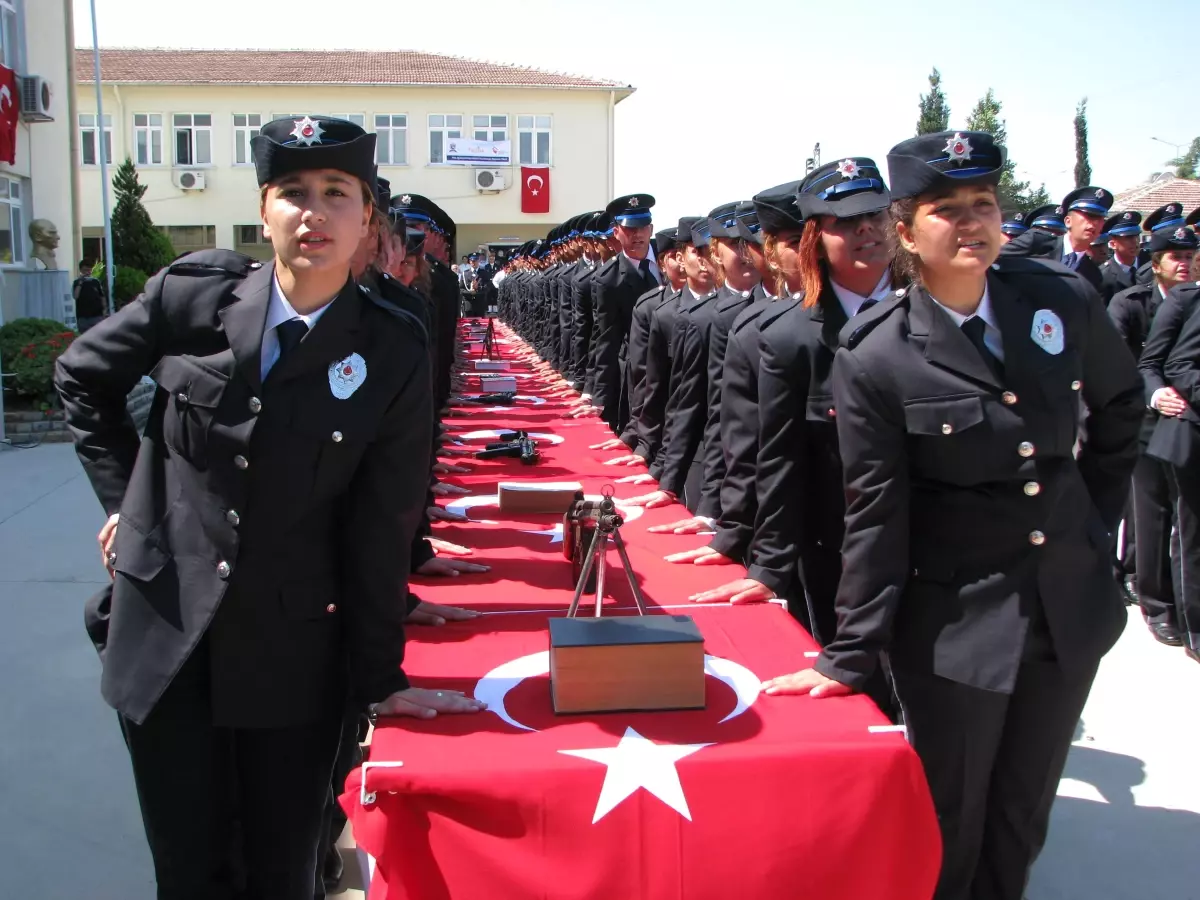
(904, 264)
(812, 264)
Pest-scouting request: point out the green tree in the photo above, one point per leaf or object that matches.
(935, 112)
(1015, 196)
(1186, 166)
(136, 242)
(1083, 169)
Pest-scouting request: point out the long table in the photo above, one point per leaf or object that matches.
(756, 797)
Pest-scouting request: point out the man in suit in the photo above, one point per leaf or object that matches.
(615, 289)
(1120, 271)
(1086, 209)
(1170, 367)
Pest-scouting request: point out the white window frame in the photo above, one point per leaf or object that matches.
(15, 208)
(10, 35)
(491, 129)
(387, 137)
(359, 119)
(258, 241)
(149, 130)
(105, 144)
(445, 131)
(534, 130)
(243, 134)
(195, 130)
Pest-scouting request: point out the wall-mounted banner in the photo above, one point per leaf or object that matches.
(461, 152)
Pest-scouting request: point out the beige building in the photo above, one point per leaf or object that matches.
(186, 118)
(35, 42)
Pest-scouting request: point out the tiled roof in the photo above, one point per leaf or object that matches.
(1149, 196)
(401, 67)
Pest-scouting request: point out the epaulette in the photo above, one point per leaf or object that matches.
(204, 262)
(607, 266)
(649, 295)
(778, 308)
(417, 326)
(860, 326)
(752, 313)
(1030, 265)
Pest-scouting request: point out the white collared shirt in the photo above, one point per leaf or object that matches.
(852, 302)
(278, 312)
(655, 272)
(991, 333)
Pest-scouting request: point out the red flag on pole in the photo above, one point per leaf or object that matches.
(10, 112)
(535, 189)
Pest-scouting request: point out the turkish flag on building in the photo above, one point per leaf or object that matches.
(535, 189)
(10, 112)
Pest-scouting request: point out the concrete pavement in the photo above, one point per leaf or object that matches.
(1126, 824)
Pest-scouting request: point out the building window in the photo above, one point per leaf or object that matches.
(249, 235)
(87, 139)
(490, 128)
(442, 128)
(148, 138)
(10, 35)
(193, 139)
(534, 135)
(391, 145)
(189, 238)
(358, 119)
(12, 223)
(245, 127)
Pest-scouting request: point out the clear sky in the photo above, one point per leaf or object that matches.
(731, 96)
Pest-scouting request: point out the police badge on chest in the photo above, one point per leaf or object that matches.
(347, 375)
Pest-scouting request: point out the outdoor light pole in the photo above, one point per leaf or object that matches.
(102, 151)
(1178, 147)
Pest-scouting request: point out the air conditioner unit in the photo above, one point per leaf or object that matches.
(490, 181)
(34, 99)
(188, 180)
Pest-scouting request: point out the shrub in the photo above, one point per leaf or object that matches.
(19, 333)
(127, 284)
(33, 367)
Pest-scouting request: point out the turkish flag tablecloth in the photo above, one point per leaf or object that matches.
(753, 796)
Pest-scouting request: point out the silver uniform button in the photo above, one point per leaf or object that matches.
(181, 397)
(745, 295)
(337, 437)
(256, 265)
(1037, 538)
(1008, 398)
(255, 405)
(1025, 449)
(1032, 489)
(241, 462)
(1076, 385)
(331, 608)
(223, 569)
(233, 518)
(947, 428)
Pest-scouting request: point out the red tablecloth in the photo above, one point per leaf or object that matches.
(754, 796)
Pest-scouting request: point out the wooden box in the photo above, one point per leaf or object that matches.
(537, 496)
(614, 663)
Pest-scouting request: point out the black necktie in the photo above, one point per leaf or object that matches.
(290, 334)
(867, 304)
(974, 328)
(644, 268)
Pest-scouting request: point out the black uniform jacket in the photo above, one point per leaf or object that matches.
(566, 317)
(739, 432)
(967, 511)
(582, 336)
(635, 371)
(800, 501)
(1172, 359)
(1132, 311)
(656, 383)
(274, 520)
(1114, 279)
(687, 413)
(729, 306)
(615, 288)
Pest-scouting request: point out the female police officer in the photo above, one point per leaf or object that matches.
(260, 556)
(977, 546)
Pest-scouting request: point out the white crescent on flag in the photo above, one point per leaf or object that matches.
(531, 179)
(5, 94)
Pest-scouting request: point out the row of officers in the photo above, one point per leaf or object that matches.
(263, 529)
(915, 425)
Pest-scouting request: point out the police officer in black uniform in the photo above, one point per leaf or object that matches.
(616, 286)
(1086, 209)
(977, 542)
(581, 373)
(1120, 271)
(1166, 218)
(259, 531)
(1042, 238)
(1014, 227)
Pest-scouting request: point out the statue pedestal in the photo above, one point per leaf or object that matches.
(42, 294)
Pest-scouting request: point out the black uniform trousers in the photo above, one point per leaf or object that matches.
(993, 762)
(1186, 483)
(1153, 514)
(194, 779)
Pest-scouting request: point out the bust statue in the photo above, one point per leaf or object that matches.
(44, 235)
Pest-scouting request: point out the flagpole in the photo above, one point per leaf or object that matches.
(101, 151)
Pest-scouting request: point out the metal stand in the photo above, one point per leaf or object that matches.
(597, 554)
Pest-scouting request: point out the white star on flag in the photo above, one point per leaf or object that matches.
(639, 763)
(555, 534)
